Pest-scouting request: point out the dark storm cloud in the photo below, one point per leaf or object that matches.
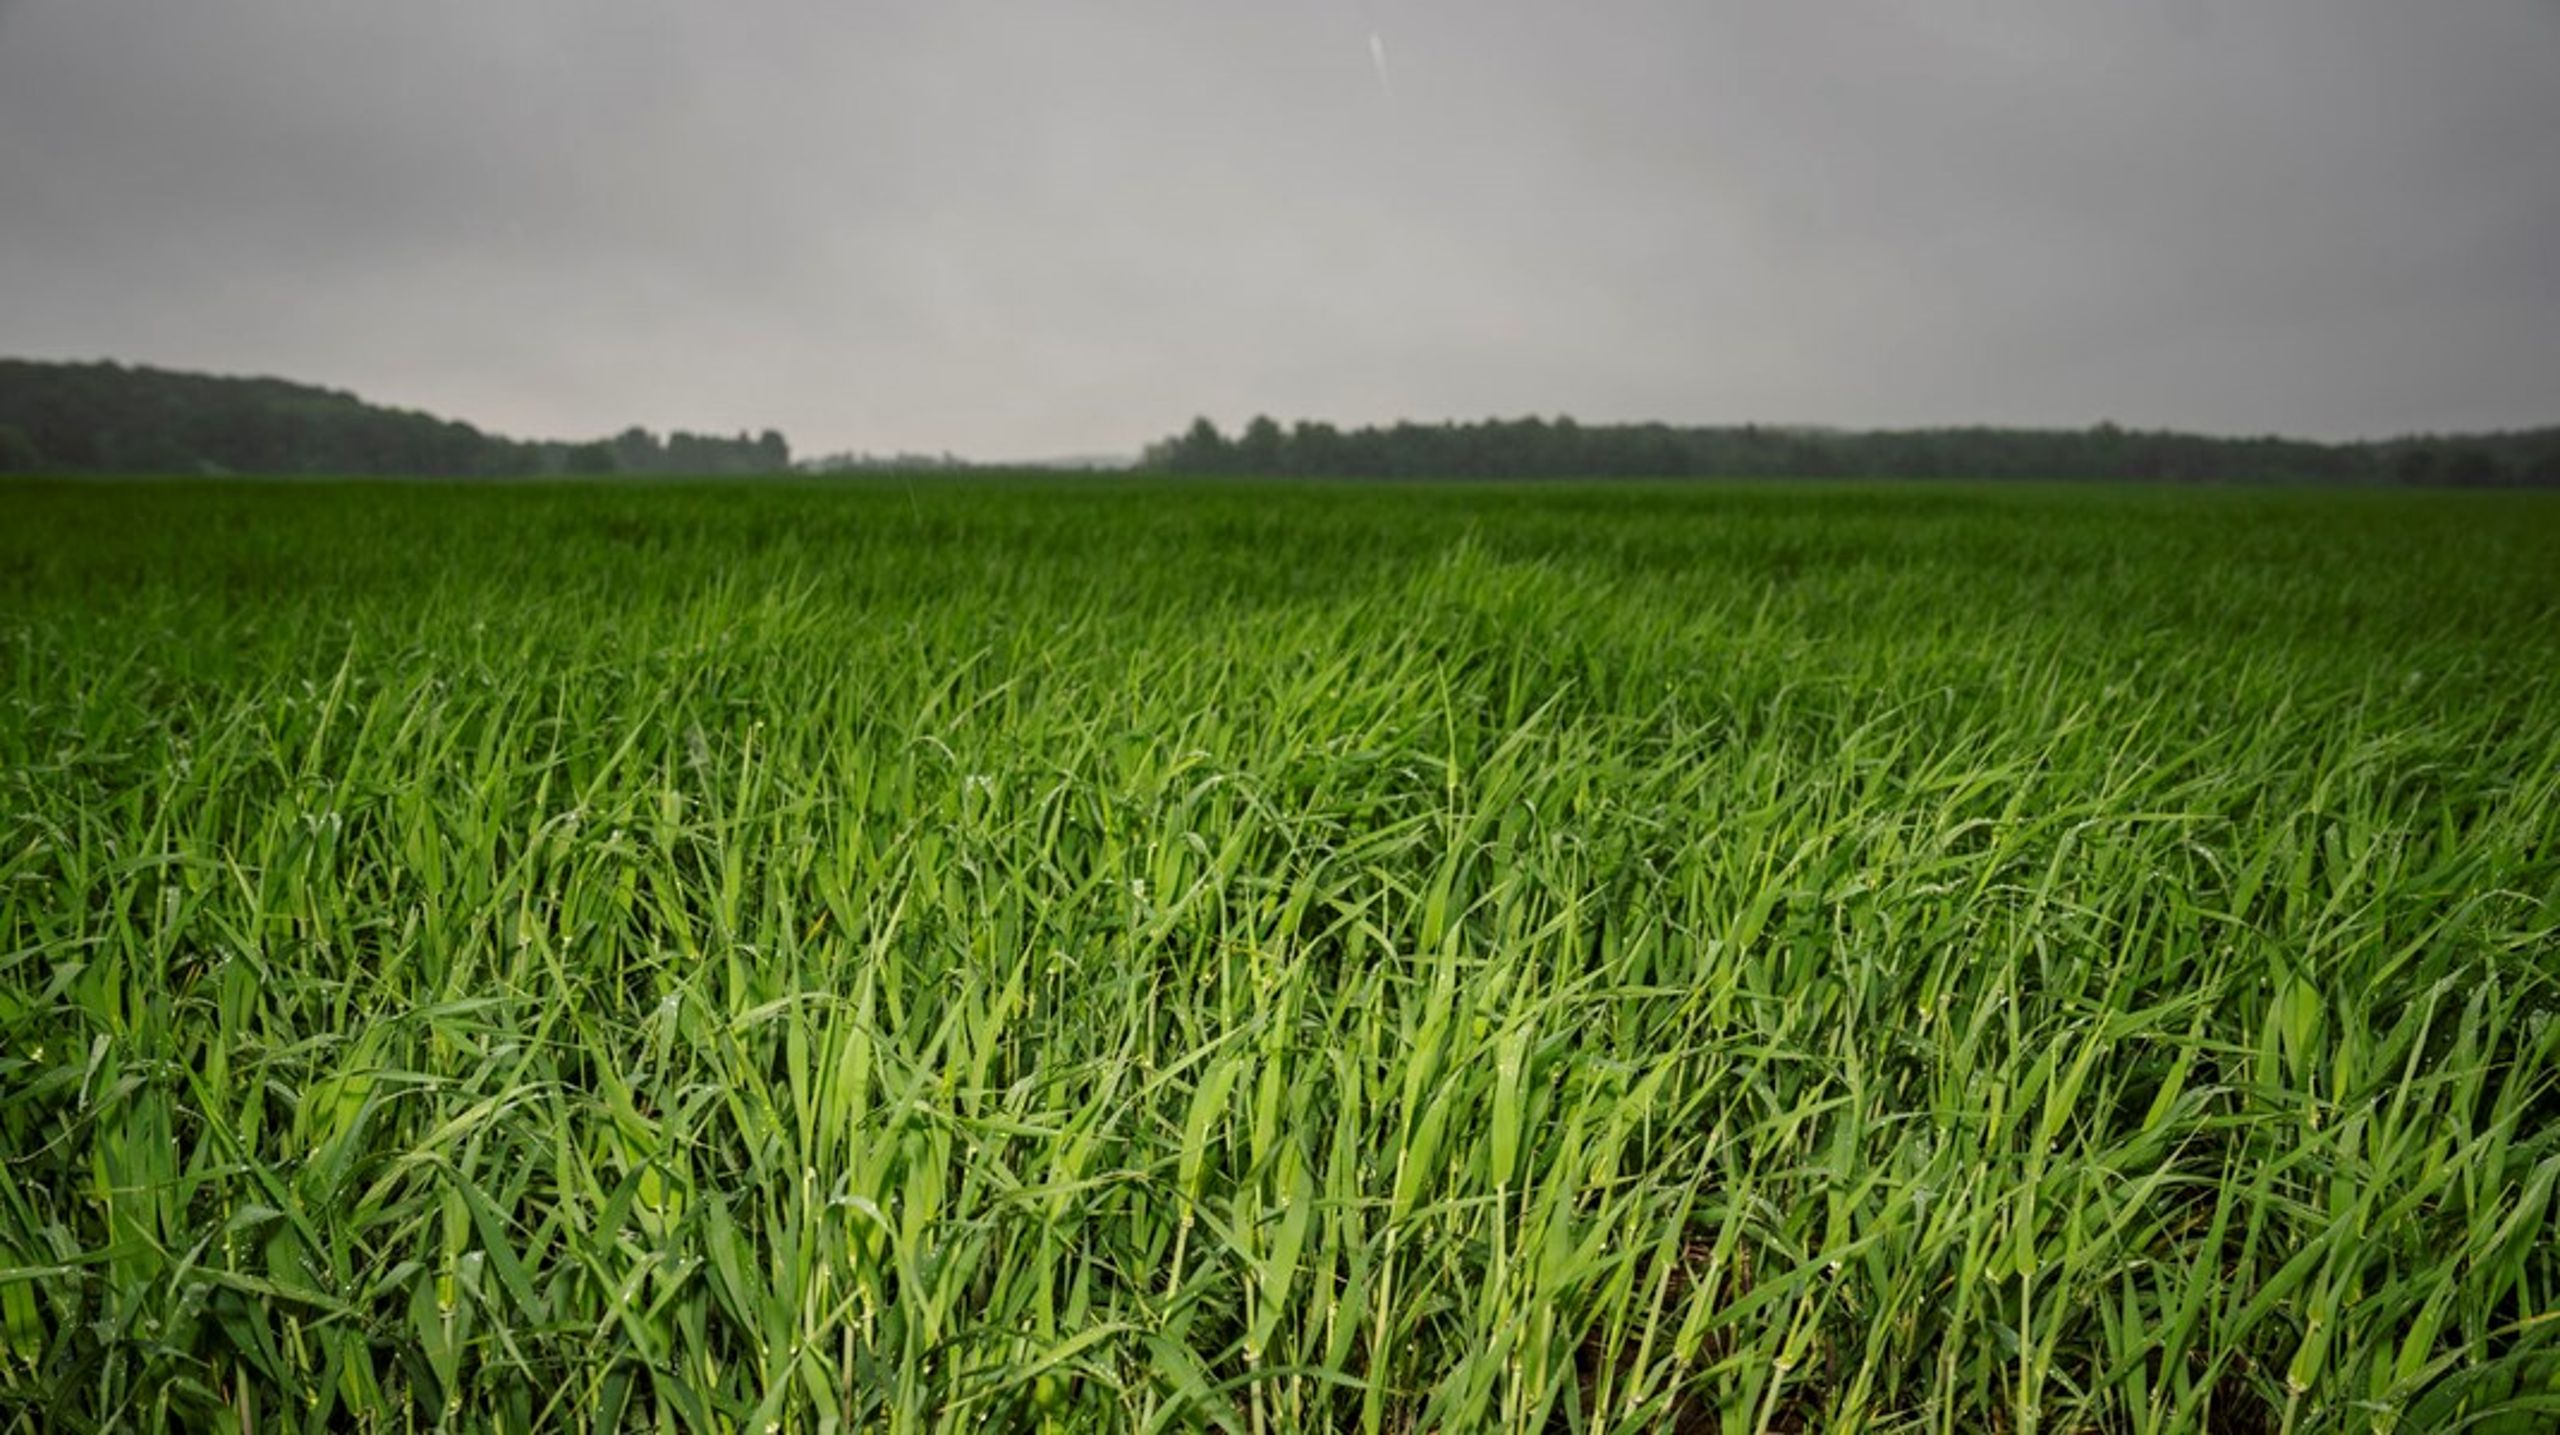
(1019, 228)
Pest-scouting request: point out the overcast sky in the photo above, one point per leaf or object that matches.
(1022, 228)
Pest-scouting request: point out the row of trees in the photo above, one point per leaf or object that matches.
(636, 450)
(1561, 448)
(110, 418)
(855, 461)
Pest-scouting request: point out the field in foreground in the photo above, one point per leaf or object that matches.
(1595, 958)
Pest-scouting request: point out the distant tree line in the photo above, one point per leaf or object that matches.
(636, 450)
(1561, 448)
(858, 462)
(111, 418)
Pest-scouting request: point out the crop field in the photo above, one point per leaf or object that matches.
(1089, 956)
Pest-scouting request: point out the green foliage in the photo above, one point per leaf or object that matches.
(18, 453)
(1140, 956)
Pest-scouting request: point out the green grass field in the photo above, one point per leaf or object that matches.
(1095, 957)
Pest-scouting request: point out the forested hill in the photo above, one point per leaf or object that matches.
(114, 418)
(1561, 448)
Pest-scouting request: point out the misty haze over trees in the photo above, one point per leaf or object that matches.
(1561, 448)
(855, 461)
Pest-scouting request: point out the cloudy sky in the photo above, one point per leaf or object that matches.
(1022, 228)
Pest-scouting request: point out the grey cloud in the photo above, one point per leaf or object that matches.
(1019, 228)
